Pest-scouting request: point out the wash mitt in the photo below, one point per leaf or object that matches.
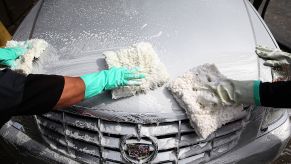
(36, 48)
(194, 84)
(143, 56)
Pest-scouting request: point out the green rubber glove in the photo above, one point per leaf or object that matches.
(110, 79)
(9, 55)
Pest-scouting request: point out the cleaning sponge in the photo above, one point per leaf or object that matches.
(143, 56)
(35, 47)
(187, 89)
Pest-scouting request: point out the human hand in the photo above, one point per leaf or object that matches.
(117, 77)
(278, 60)
(219, 90)
(9, 55)
(273, 57)
(111, 79)
(232, 92)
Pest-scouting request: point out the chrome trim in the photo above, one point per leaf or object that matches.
(88, 139)
(126, 156)
(129, 117)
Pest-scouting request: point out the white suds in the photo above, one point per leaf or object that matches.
(204, 119)
(140, 55)
(35, 48)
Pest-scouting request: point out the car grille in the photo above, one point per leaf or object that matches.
(93, 140)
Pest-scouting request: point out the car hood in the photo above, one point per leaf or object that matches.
(185, 34)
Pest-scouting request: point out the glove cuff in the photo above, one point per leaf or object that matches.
(94, 83)
(86, 80)
(247, 92)
(256, 90)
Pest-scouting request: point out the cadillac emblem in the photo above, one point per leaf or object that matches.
(138, 150)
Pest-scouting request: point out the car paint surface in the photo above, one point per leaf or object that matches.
(184, 34)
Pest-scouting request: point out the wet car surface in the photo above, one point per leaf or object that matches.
(222, 140)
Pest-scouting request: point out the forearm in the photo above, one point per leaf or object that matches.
(276, 94)
(42, 93)
(73, 92)
(39, 93)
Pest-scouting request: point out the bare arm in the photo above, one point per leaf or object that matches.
(73, 92)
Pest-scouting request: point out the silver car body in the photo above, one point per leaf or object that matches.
(185, 34)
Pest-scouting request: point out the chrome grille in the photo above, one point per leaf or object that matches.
(94, 140)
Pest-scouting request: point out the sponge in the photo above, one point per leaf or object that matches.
(204, 119)
(36, 48)
(143, 56)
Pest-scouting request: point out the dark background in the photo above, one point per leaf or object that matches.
(12, 12)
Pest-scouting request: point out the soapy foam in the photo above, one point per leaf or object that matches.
(25, 62)
(140, 55)
(190, 87)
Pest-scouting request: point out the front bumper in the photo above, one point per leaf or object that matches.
(27, 149)
(261, 150)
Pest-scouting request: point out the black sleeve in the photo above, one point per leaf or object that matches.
(28, 95)
(276, 94)
(11, 92)
(41, 93)
(11, 89)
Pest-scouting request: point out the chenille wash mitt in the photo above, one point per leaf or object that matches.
(194, 84)
(142, 56)
(35, 48)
